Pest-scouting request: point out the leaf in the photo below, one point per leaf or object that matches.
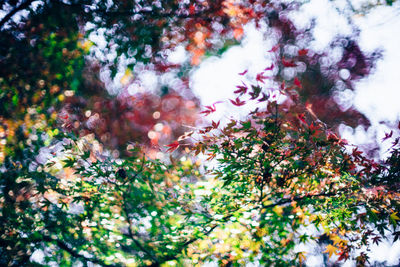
(210, 109)
(242, 89)
(394, 218)
(237, 102)
(270, 67)
(260, 77)
(387, 136)
(274, 48)
(331, 250)
(265, 97)
(297, 83)
(173, 146)
(215, 124)
(256, 91)
(376, 240)
(302, 52)
(301, 256)
(243, 73)
(288, 64)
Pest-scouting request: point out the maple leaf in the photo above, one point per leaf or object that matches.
(242, 89)
(215, 124)
(288, 64)
(269, 68)
(331, 250)
(343, 255)
(302, 257)
(376, 239)
(260, 77)
(173, 146)
(265, 97)
(302, 52)
(394, 218)
(274, 48)
(302, 118)
(256, 91)
(243, 73)
(396, 236)
(210, 109)
(237, 102)
(297, 83)
(387, 136)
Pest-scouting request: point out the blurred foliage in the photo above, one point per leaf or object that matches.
(85, 176)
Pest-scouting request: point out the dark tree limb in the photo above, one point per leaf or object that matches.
(21, 7)
(64, 246)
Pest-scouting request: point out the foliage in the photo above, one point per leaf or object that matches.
(78, 188)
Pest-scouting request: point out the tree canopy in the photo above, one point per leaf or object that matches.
(98, 168)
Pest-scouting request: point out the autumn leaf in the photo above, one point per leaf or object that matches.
(210, 109)
(301, 256)
(297, 83)
(394, 218)
(269, 68)
(260, 77)
(242, 89)
(274, 48)
(237, 102)
(331, 250)
(288, 64)
(215, 124)
(302, 52)
(173, 146)
(387, 135)
(243, 73)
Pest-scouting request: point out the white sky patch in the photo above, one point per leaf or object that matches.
(217, 77)
(378, 96)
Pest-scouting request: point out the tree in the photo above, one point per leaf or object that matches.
(77, 187)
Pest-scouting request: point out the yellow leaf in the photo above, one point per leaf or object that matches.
(337, 240)
(278, 210)
(331, 250)
(394, 217)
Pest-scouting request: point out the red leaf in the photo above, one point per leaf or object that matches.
(297, 82)
(387, 136)
(215, 124)
(303, 52)
(302, 118)
(243, 73)
(242, 89)
(274, 48)
(210, 109)
(173, 146)
(260, 77)
(270, 67)
(237, 102)
(287, 63)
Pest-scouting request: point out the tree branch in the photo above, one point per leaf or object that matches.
(76, 254)
(132, 235)
(22, 6)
